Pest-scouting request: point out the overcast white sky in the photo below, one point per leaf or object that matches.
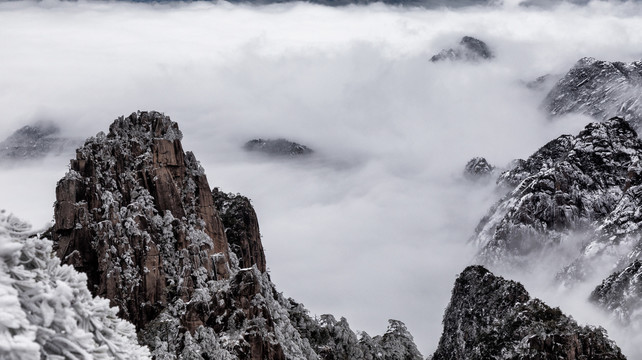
(375, 224)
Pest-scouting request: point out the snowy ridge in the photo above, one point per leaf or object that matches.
(47, 310)
(571, 185)
(600, 89)
(621, 294)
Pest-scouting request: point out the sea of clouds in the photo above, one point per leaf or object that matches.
(375, 224)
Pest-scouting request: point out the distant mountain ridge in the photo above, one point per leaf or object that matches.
(35, 141)
(416, 3)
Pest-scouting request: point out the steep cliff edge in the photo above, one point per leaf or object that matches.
(241, 228)
(492, 318)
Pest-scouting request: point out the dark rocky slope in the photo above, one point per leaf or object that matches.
(600, 89)
(621, 294)
(492, 318)
(185, 264)
(468, 49)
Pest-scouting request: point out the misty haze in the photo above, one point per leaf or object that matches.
(366, 207)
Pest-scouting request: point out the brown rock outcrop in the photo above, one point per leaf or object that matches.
(241, 228)
(135, 213)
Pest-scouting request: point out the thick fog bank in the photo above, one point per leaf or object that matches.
(374, 224)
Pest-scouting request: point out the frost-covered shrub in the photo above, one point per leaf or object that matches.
(47, 310)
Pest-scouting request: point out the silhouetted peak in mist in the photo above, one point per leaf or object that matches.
(277, 147)
(35, 141)
(468, 49)
(478, 168)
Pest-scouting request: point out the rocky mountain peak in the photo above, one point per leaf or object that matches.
(570, 184)
(489, 317)
(468, 49)
(144, 125)
(135, 212)
(478, 168)
(600, 89)
(182, 262)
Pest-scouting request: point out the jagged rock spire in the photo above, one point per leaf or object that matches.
(135, 212)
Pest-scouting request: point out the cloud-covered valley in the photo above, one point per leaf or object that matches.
(375, 224)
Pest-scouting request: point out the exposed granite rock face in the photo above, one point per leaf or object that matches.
(600, 89)
(243, 317)
(241, 228)
(478, 168)
(621, 294)
(469, 49)
(574, 183)
(277, 147)
(135, 213)
(34, 142)
(491, 318)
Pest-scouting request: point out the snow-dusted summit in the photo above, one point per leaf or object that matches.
(571, 185)
(601, 89)
(468, 49)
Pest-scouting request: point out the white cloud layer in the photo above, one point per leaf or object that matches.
(375, 224)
